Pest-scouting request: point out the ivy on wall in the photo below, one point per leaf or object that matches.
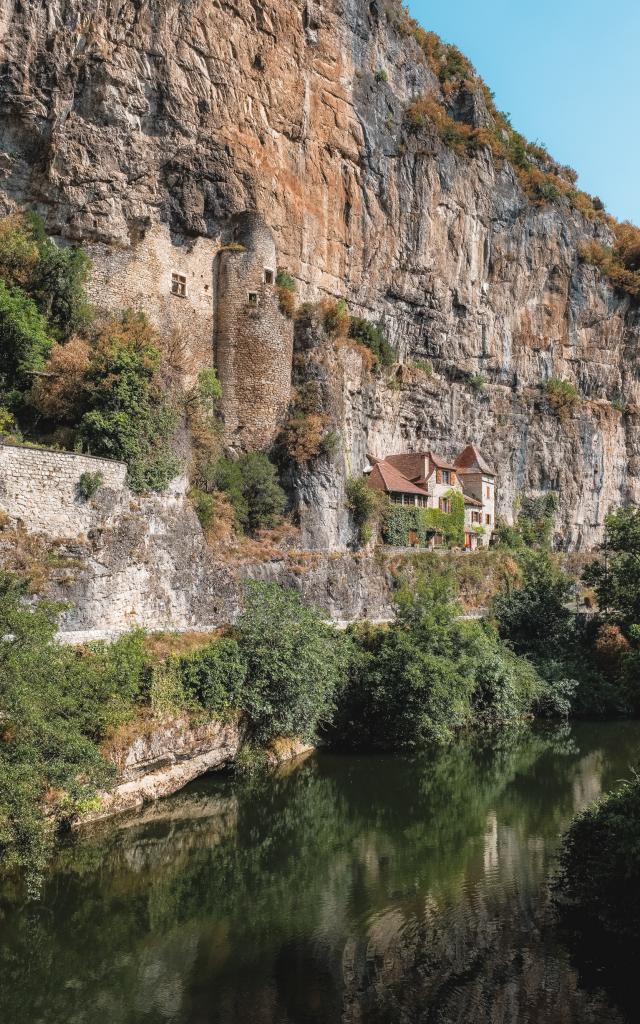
(401, 520)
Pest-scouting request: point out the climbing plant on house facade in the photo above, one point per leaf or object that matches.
(402, 520)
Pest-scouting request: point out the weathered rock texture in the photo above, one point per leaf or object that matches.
(125, 121)
(142, 561)
(163, 760)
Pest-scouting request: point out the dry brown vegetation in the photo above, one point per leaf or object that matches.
(620, 263)
(541, 177)
(302, 436)
(562, 396)
(34, 558)
(61, 395)
(287, 301)
(264, 546)
(161, 646)
(610, 647)
(479, 574)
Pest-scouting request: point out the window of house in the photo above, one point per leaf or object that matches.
(253, 298)
(488, 490)
(445, 505)
(446, 476)
(269, 276)
(475, 517)
(178, 284)
(488, 520)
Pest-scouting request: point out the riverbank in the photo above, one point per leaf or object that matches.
(281, 673)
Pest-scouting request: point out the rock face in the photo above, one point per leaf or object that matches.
(127, 122)
(165, 759)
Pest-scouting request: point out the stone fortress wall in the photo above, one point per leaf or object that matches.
(254, 339)
(140, 278)
(249, 341)
(40, 490)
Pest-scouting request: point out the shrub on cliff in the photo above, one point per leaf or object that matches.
(24, 342)
(128, 412)
(621, 262)
(53, 276)
(372, 337)
(562, 396)
(534, 524)
(295, 664)
(286, 286)
(251, 485)
(364, 505)
(214, 676)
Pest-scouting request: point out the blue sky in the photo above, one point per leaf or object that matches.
(568, 72)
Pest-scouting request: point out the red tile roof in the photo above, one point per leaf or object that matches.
(471, 460)
(392, 480)
(410, 465)
(440, 462)
(404, 473)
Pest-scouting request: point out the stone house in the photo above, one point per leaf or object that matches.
(426, 480)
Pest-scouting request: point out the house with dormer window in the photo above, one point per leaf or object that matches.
(426, 480)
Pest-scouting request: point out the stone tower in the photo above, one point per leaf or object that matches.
(253, 338)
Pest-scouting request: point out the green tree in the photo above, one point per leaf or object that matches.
(58, 287)
(24, 338)
(214, 675)
(129, 416)
(53, 276)
(295, 664)
(251, 485)
(616, 579)
(263, 494)
(429, 674)
(55, 708)
(599, 880)
(532, 611)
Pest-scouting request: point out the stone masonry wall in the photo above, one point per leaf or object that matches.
(254, 342)
(39, 489)
(139, 278)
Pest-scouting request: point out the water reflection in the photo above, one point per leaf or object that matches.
(361, 890)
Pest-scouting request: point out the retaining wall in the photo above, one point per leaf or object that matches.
(40, 490)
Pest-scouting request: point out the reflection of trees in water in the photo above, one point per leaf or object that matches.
(357, 885)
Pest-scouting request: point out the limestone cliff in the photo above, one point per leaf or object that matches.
(143, 128)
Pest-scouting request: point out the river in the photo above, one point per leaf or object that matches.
(355, 889)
